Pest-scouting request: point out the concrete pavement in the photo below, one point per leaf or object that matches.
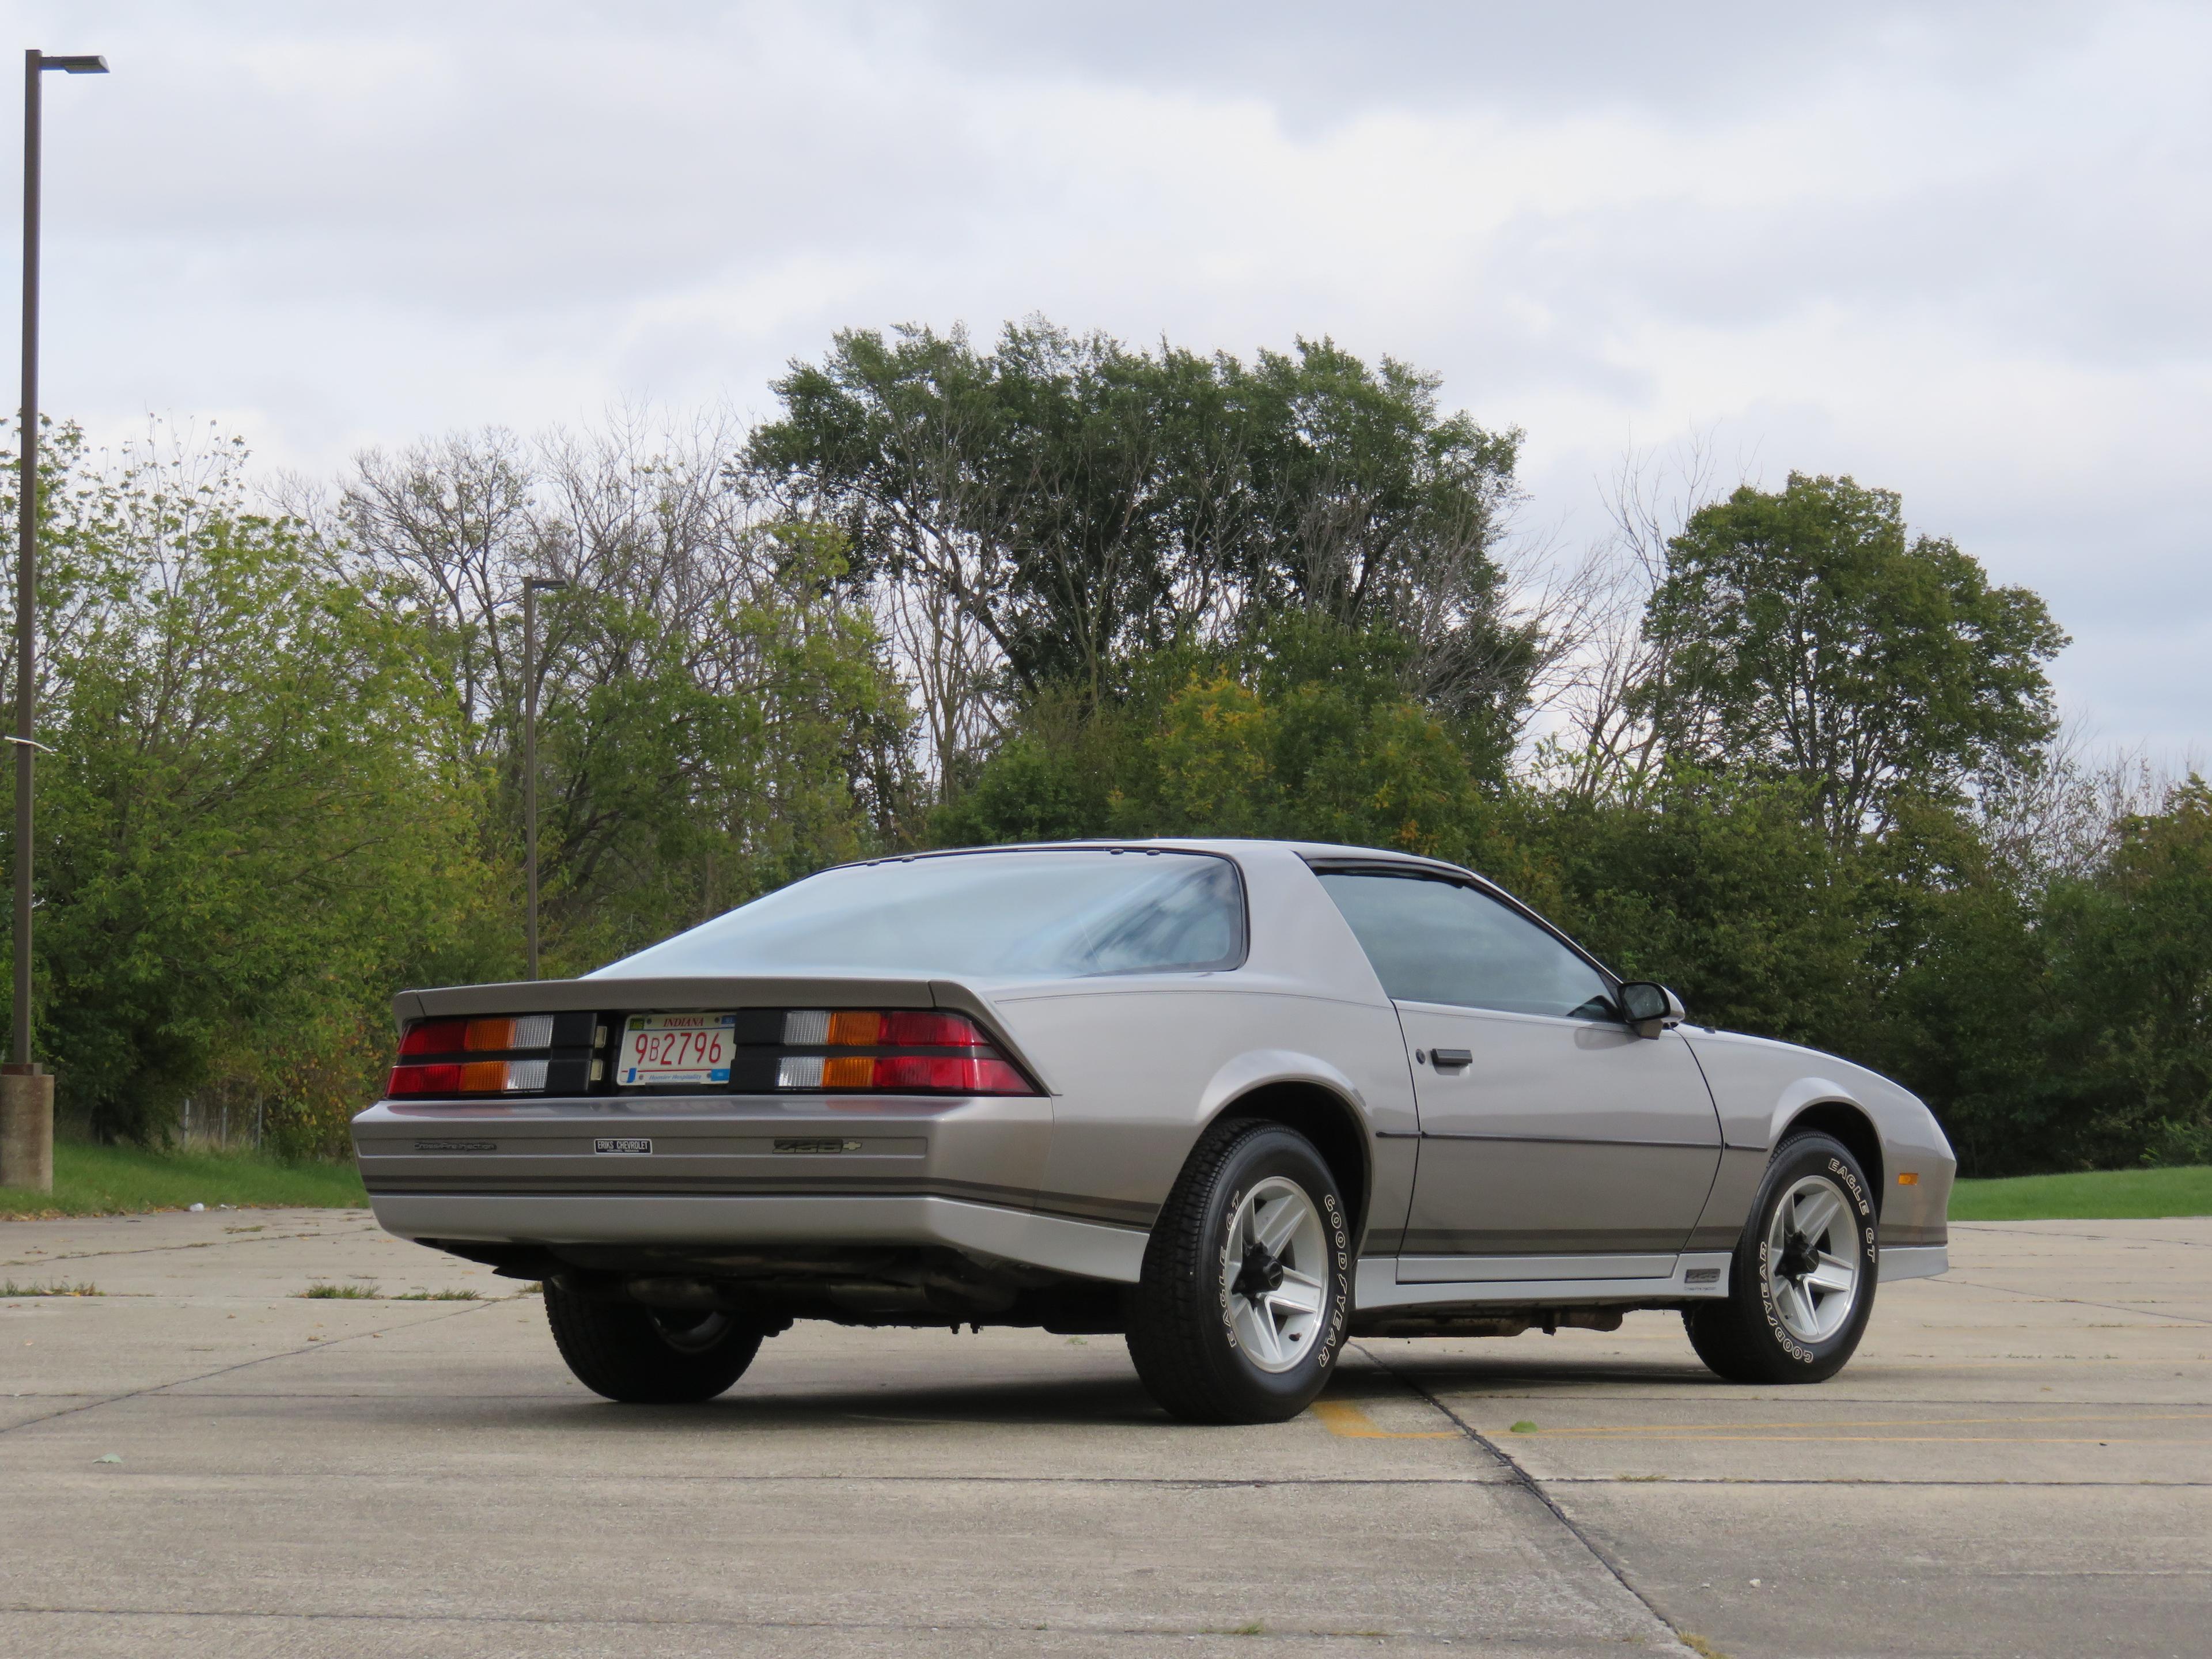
(2020, 1461)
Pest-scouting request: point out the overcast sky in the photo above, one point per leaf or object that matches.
(1958, 251)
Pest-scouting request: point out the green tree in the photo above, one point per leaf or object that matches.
(1080, 505)
(716, 712)
(1303, 733)
(1808, 637)
(2125, 1072)
(247, 833)
(1717, 884)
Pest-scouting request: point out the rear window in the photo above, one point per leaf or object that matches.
(1023, 915)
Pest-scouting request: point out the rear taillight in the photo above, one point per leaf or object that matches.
(446, 1036)
(473, 1077)
(908, 1053)
(831, 1051)
(505, 1056)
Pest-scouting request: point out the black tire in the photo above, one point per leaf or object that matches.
(1748, 1337)
(1181, 1318)
(645, 1356)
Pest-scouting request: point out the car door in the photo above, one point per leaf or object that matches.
(1555, 1143)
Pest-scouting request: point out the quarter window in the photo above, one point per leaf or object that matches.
(1442, 941)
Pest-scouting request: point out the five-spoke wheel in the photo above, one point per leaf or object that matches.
(1802, 1283)
(1275, 1260)
(1812, 1259)
(1247, 1280)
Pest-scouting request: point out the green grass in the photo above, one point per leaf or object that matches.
(2098, 1196)
(59, 1287)
(125, 1181)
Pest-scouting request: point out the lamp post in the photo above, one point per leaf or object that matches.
(27, 1093)
(532, 587)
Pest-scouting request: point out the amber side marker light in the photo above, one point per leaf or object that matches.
(1909, 1178)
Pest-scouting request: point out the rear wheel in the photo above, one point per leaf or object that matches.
(1247, 1280)
(649, 1355)
(1801, 1286)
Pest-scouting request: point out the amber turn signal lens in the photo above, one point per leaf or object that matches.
(854, 1027)
(1909, 1178)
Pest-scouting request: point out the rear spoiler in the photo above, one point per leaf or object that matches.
(553, 996)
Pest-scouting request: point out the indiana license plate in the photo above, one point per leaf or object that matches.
(675, 1048)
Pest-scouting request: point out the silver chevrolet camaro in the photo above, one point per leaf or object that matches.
(1240, 1101)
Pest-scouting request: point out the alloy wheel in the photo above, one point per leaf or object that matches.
(1813, 1258)
(1275, 1267)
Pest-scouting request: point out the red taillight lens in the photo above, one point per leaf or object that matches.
(919, 1029)
(434, 1036)
(435, 1079)
(964, 1073)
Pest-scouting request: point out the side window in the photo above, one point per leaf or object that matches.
(1438, 941)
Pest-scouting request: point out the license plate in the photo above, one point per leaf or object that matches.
(675, 1049)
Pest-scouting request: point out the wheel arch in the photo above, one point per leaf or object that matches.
(1324, 1116)
(1848, 1123)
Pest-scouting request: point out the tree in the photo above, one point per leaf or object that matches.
(715, 714)
(1045, 514)
(1717, 884)
(1303, 733)
(1806, 637)
(248, 832)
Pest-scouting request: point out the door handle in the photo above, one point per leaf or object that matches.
(1451, 1060)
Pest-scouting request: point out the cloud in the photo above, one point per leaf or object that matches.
(1955, 251)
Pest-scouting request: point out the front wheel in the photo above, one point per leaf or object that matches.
(649, 1355)
(1802, 1284)
(1241, 1310)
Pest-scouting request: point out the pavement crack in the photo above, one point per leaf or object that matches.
(323, 1346)
(1530, 1484)
(2075, 1302)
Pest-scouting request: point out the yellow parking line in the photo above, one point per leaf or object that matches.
(1347, 1421)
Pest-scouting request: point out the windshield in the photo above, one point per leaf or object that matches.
(1024, 914)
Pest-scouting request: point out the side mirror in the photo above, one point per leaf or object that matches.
(1647, 1008)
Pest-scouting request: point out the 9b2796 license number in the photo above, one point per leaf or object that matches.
(675, 1048)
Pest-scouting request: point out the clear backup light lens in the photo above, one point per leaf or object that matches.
(799, 1071)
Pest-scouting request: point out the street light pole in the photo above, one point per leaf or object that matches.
(27, 1094)
(532, 587)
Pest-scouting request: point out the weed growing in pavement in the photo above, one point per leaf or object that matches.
(9, 1287)
(369, 1293)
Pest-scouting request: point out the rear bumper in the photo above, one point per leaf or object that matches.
(726, 1169)
(1082, 1248)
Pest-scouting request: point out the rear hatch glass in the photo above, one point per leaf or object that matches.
(1027, 914)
